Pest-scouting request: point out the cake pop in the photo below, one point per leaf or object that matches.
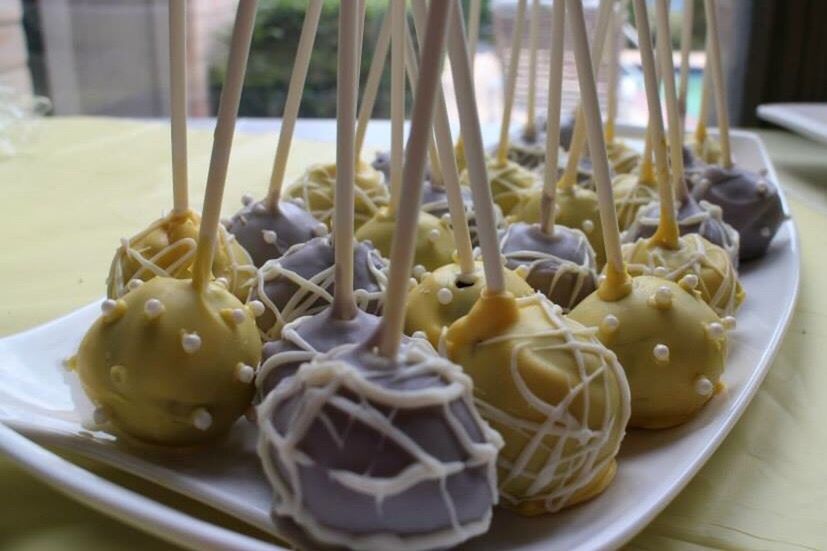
(167, 246)
(577, 206)
(508, 180)
(267, 228)
(301, 282)
(555, 260)
(748, 200)
(434, 244)
(448, 292)
(671, 344)
(390, 430)
(532, 368)
(667, 254)
(172, 362)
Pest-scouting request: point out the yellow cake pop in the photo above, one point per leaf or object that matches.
(715, 278)
(552, 391)
(623, 158)
(508, 181)
(172, 362)
(170, 365)
(315, 188)
(434, 244)
(445, 295)
(167, 248)
(631, 193)
(556, 395)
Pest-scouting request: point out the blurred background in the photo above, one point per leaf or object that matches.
(109, 57)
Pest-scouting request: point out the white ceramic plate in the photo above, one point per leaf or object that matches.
(807, 119)
(40, 400)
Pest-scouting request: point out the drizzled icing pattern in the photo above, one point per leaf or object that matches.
(139, 258)
(315, 188)
(400, 442)
(508, 183)
(553, 454)
(301, 283)
(717, 280)
(560, 267)
(629, 197)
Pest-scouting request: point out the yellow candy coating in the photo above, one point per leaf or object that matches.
(169, 366)
(717, 280)
(316, 187)
(708, 150)
(670, 343)
(167, 248)
(434, 241)
(576, 208)
(508, 182)
(630, 195)
(623, 158)
(556, 395)
(440, 298)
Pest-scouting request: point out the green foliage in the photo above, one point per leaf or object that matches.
(273, 50)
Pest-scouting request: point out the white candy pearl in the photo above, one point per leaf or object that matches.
(444, 295)
(201, 419)
(256, 307)
(190, 342)
(153, 308)
(609, 324)
(244, 373)
(703, 386)
(661, 353)
(269, 236)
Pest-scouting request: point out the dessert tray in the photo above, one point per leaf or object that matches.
(807, 119)
(43, 403)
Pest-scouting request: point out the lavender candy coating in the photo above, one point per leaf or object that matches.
(301, 283)
(702, 218)
(750, 203)
(370, 453)
(303, 339)
(382, 163)
(267, 233)
(561, 266)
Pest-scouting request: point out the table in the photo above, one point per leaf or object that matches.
(765, 487)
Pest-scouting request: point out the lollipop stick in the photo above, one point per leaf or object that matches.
(511, 81)
(344, 302)
(294, 97)
(399, 28)
(646, 174)
(667, 233)
(412, 69)
(617, 282)
(533, 39)
(555, 99)
(178, 102)
(686, 46)
(469, 120)
(667, 71)
(474, 13)
(612, 74)
(402, 248)
(703, 113)
(223, 140)
(578, 139)
(445, 148)
(719, 86)
(377, 66)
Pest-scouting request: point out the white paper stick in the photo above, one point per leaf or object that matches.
(511, 80)
(667, 232)
(719, 86)
(445, 148)
(294, 98)
(597, 146)
(399, 27)
(667, 71)
(475, 154)
(615, 22)
(377, 67)
(178, 102)
(412, 69)
(223, 140)
(404, 239)
(533, 44)
(706, 97)
(578, 139)
(474, 15)
(555, 99)
(344, 302)
(686, 48)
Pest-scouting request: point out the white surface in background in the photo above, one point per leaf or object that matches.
(807, 119)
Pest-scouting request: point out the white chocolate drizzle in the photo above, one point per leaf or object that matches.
(358, 392)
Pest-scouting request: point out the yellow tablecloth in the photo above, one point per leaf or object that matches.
(88, 182)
